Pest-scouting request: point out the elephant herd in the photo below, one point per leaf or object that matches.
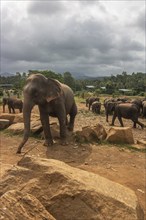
(57, 100)
(120, 108)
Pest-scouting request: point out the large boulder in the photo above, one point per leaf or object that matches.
(122, 135)
(4, 123)
(91, 133)
(18, 128)
(19, 117)
(8, 116)
(17, 205)
(71, 193)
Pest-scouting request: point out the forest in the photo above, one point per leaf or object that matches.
(124, 83)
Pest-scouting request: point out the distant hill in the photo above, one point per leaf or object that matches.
(6, 74)
(78, 75)
(83, 77)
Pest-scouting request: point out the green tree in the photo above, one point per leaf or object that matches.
(69, 80)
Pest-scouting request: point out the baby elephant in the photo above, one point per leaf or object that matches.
(13, 104)
(128, 111)
(96, 107)
(90, 100)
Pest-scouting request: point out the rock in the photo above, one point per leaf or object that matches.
(35, 117)
(17, 205)
(55, 130)
(71, 193)
(142, 141)
(4, 123)
(100, 132)
(120, 135)
(17, 128)
(7, 116)
(91, 133)
(36, 127)
(19, 117)
(85, 135)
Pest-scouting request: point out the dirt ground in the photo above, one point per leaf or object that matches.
(120, 163)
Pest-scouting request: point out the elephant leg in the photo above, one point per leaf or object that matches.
(120, 120)
(141, 124)
(62, 123)
(9, 107)
(72, 114)
(3, 108)
(63, 131)
(46, 127)
(13, 110)
(98, 111)
(134, 124)
(113, 119)
(106, 115)
(138, 122)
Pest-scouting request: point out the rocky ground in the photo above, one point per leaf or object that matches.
(124, 164)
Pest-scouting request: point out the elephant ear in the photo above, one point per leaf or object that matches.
(54, 90)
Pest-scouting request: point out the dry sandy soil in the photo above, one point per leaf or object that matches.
(121, 163)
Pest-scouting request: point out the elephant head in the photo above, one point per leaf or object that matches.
(38, 90)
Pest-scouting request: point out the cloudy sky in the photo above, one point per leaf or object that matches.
(93, 38)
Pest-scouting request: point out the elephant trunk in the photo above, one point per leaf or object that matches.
(26, 117)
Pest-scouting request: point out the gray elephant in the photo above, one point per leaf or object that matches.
(109, 105)
(13, 104)
(96, 107)
(90, 100)
(128, 111)
(53, 99)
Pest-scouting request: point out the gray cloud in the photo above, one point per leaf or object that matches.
(80, 37)
(46, 8)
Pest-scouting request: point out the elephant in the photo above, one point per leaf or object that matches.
(128, 111)
(53, 99)
(96, 107)
(109, 105)
(13, 104)
(90, 100)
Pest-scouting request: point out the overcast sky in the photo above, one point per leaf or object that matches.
(93, 38)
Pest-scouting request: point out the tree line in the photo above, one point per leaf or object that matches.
(134, 83)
